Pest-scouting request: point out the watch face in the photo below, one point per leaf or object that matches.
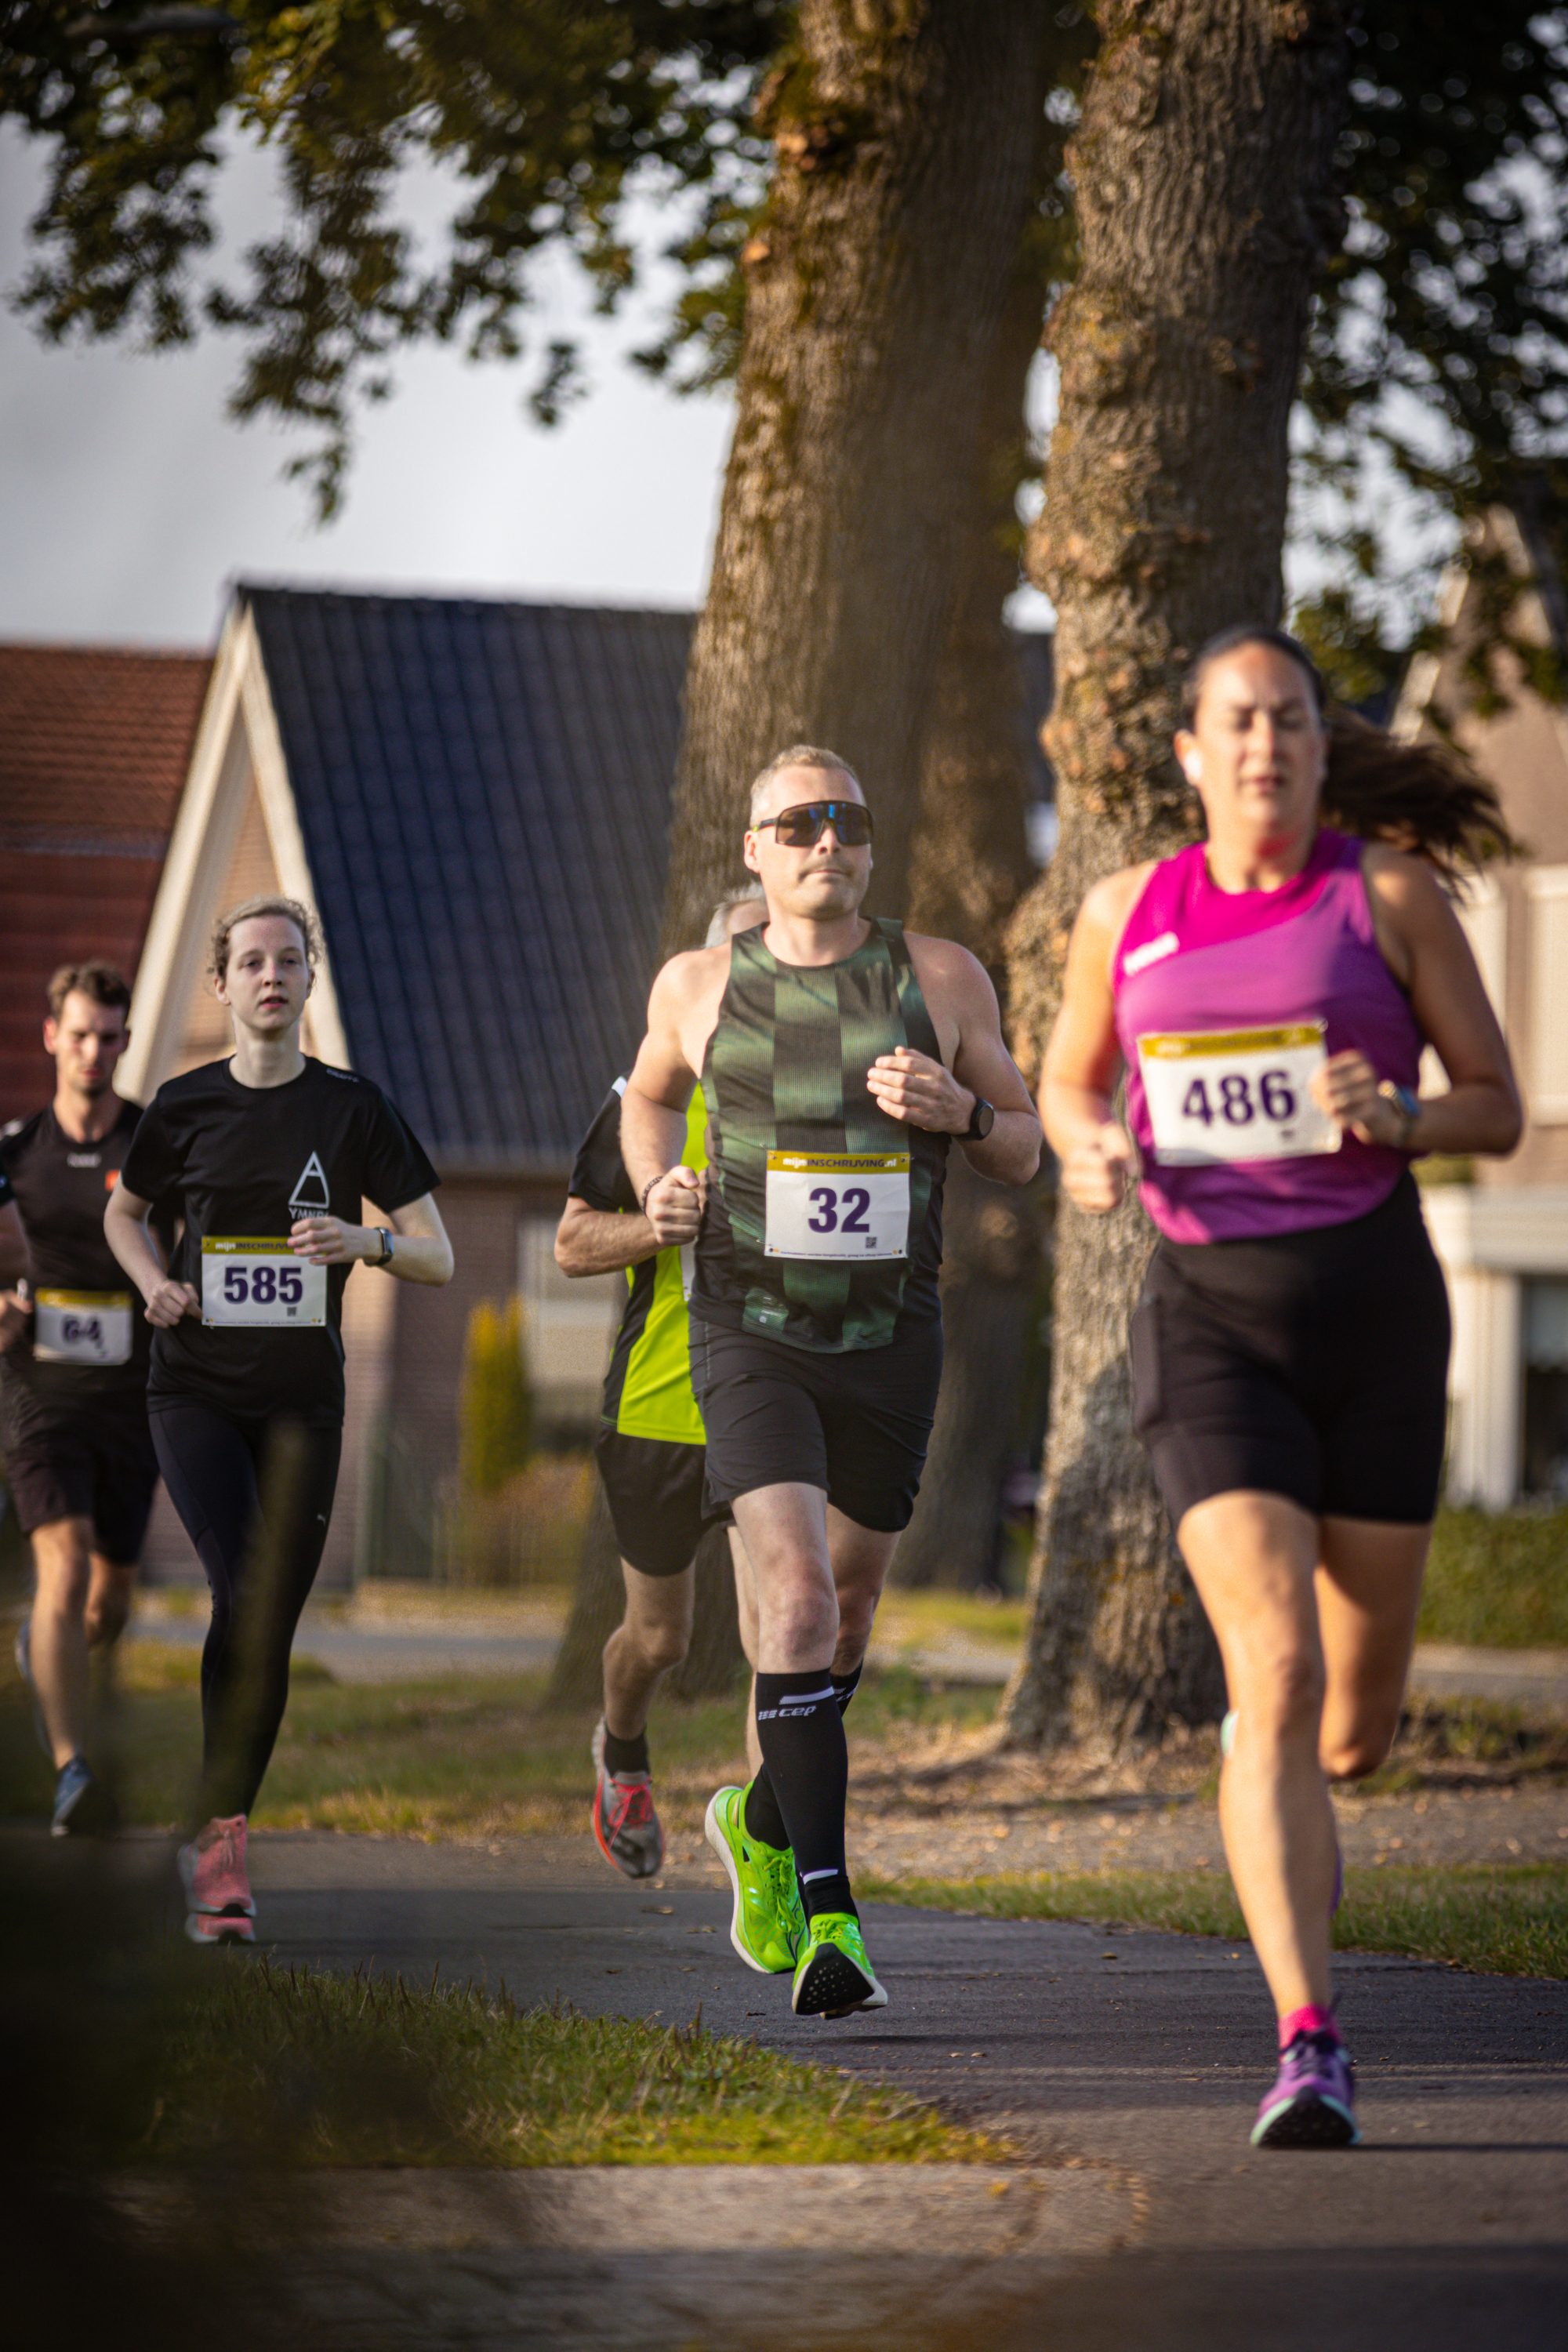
(984, 1121)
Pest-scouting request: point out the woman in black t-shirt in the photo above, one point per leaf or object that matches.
(268, 1157)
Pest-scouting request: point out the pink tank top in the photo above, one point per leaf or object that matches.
(1256, 969)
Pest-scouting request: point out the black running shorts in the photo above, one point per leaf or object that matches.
(1312, 1365)
(856, 1423)
(91, 1462)
(655, 1490)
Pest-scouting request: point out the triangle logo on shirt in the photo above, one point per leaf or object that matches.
(310, 1196)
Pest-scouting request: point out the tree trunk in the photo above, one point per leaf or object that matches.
(715, 1659)
(990, 1300)
(970, 862)
(1204, 170)
(907, 134)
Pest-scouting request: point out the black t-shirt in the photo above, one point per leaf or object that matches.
(244, 1163)
(61, 1189)
(599, 1173)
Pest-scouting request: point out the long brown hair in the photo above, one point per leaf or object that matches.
(1426, 798)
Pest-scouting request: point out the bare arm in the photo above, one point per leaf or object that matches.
(601, 1241)
(126, 1232)
(915, 1090)
(422, 1254)
(1083, 1059)
(653, 1109)
(1424, 946)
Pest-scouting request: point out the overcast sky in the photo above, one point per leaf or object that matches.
(126, 502)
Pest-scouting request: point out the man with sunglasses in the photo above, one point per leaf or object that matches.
(838, 1059)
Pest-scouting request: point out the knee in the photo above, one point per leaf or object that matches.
(656, 1643)
(1286, 1695)
(1362, 1750)
(106, 1616)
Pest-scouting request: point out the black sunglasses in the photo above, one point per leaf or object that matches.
(803, 827)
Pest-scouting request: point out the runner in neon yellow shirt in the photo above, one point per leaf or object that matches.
(652, 1453)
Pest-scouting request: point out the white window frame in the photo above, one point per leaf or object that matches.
(1546, 1026)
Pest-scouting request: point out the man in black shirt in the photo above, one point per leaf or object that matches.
(73, 1377)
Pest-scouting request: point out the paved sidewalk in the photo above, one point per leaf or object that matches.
(361, 1642)
(1125, 2067)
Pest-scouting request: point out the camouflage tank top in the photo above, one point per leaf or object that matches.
(824, 1223)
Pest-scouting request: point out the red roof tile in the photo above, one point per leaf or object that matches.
(94, 739)
(94, 746)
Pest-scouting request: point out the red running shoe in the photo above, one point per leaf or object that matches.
(626, 1826)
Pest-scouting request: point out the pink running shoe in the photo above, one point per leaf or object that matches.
(217, 1889)
(1313, 2104)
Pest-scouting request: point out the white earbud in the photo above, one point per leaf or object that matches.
(1193, 767)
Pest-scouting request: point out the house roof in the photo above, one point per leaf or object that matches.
(94, 744)
(94, 747)
(483, 790)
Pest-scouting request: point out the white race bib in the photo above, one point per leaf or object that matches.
(1235, 1093)
(261, 1282)
(82, 1327)
(837, 1204)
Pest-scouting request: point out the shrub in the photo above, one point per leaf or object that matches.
(496, 1422)
(1498, 1579)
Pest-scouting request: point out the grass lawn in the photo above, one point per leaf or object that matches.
(313, 2068)
(454, 1756)
(1509, 1918)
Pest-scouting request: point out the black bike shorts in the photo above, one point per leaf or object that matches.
(856, 1423)
(88, 1462)
(1312, 1365)
(655, 1491)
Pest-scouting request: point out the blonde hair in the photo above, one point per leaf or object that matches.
(799, 755)
(290, 910)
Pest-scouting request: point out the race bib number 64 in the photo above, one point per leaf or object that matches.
(1238, 1094)
(253, 1280)
(837, 1204)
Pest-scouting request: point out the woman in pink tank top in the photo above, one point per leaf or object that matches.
(1267, 993)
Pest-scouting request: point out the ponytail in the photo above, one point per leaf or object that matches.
(1425, 798)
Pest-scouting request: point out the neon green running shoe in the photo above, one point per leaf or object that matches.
(767, 1926)
(834, 1977)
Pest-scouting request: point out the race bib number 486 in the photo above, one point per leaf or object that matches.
(837, 1204)
(1238, 1094)
(260, 1281)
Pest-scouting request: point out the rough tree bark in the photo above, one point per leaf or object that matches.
(970, 864)
(1204, 172)
(907, 132)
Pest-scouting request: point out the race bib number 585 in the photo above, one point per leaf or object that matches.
(1239, 1094)
(256, 1280)
(837, 1204)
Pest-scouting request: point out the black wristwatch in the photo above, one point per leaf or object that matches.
(982, 1120)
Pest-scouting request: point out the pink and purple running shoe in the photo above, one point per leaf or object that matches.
(1313, 2104)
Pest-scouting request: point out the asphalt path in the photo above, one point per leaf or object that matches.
(1124, 2066)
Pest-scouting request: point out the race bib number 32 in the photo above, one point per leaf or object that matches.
(1237, 1094)
(837, 1204)
(260, 1281)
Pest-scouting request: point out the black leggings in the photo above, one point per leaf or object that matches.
(256, 1498)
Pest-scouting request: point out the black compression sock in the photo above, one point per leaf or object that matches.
(846, 1685)
(626, 1755)
(802, 1736)
(762, 1817)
